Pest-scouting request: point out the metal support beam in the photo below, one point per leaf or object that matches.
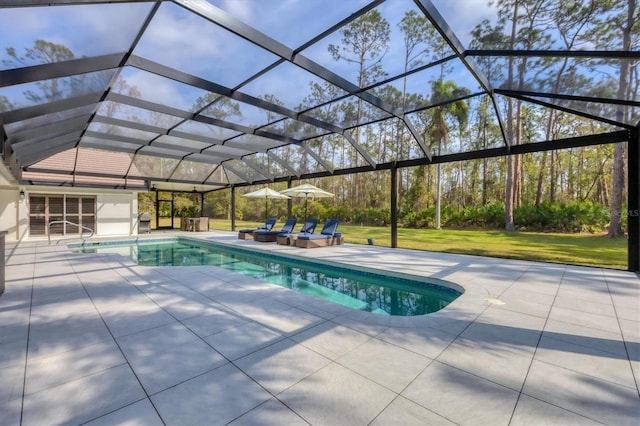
(59, 69)
(456, 45)
(230, 23)
(233, 208)
(633, 200)
(358, 148)
(394, 205)
(290, 200)
(515, 94)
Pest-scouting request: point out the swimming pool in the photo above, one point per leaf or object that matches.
(364, 289)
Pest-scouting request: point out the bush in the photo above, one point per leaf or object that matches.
(577, 216)
(372, 216)
(486, 216)
(421, 219)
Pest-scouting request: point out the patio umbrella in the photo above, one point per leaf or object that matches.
(266, 193)
(305, 190)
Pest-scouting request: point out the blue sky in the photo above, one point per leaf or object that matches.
(191, 44)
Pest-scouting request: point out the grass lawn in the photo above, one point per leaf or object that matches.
(576, 249)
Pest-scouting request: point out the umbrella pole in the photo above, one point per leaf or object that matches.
(305, 207)
(266, 209)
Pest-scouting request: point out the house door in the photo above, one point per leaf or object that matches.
(164, 210)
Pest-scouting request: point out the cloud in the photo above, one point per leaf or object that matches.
(464, 15)
(157, 89)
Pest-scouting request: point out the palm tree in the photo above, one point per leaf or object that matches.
(442, 91)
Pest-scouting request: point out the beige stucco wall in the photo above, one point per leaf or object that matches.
(9, 214)
(117, 211)
(117, 214)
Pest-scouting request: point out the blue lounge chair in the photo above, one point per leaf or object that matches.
(284, 238)
(270, 236)
(328, 236)
(247, 234)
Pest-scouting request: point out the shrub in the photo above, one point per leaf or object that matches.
(577, 216)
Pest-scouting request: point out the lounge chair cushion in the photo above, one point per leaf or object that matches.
(268, 226)
(264, 236)
(287, 228)
(328, 231)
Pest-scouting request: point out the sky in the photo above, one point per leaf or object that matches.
(191, 44)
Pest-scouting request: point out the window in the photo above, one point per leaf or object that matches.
(44, 209)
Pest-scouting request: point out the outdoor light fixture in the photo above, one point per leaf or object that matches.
(22, 195)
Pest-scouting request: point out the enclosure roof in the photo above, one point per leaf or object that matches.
(188, 94)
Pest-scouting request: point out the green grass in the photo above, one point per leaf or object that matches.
(575, 249)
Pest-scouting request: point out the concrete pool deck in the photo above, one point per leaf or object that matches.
(95, 339)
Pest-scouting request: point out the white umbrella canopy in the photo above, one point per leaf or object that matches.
(305, 190)
(267, 194)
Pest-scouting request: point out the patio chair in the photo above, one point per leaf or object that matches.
(247, 234)
(285, 238)
(327, 237)
(202, 224)
(264, 236)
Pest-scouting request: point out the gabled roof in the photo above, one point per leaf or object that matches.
(219, 93)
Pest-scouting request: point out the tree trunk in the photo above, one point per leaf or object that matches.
(615, 226)
(543, 164)
(509, 190)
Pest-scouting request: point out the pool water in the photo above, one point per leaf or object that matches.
(366, 290)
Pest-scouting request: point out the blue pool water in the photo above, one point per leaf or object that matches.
(366, 290)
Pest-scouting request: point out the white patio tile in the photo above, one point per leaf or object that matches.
(589, 396)
(12, 379)
(13, 352)
(604, 306)
(272, 412)
(506, 327)
(61, 305)
(140, 413)
(364, 322)
(504, 363)
(330, 339)
(461, 397)
(83, 399)
(134, 315)
(217, 318)
(428, 342)
(14, 321)
(179, 303)
(586, 336)
(531, 411)
(290, 321)
(281, 365)
(242, 340)
(400, 365)
(582, 345)
(10, 412)
(168, 355)
(587, 360)
(586, 319)
(238, 299)
(51, 336)
(49, 371)
(336, 395)
(407, 413)
(211, 286)
(214, 398)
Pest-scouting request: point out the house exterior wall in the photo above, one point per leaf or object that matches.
(117, 214)
(116, 211)
(9, 213)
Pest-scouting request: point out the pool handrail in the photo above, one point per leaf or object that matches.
(69, 223)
